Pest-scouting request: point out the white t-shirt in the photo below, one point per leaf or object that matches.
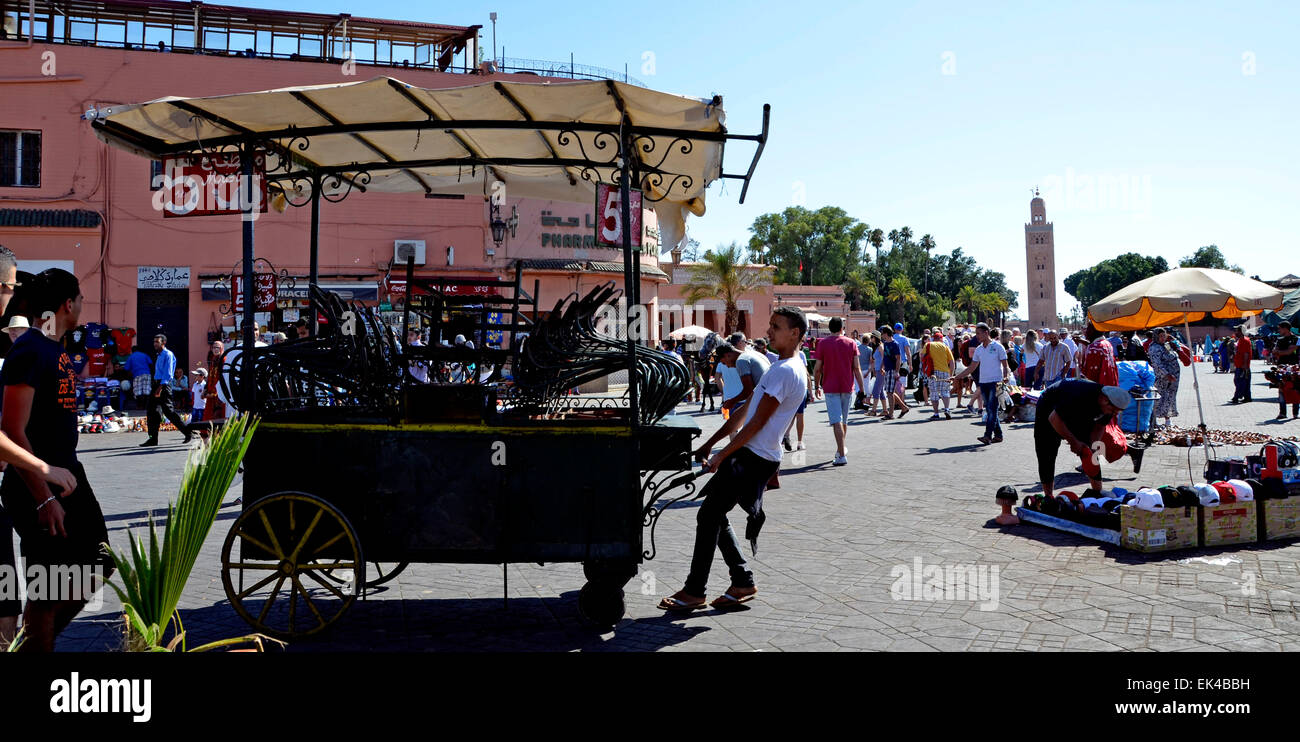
(787, 382)
(1031, 359)
(731, 385)
(199, 388)
(990, 358)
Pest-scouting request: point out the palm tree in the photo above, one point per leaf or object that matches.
(859, 291)
(877, 238)
(967, 299)
(725, 275)
(996, 303)
(901, 292)
(927, 244)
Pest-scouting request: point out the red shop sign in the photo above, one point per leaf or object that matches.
(265, 285)
(207, 185)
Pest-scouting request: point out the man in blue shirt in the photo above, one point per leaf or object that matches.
(140, 368)
(904, 356)
(160, 399)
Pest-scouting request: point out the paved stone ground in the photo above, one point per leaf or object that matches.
(913, 489)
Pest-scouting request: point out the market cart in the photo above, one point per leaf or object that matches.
(359, 469)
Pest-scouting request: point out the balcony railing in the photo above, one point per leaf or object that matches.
(567, 69)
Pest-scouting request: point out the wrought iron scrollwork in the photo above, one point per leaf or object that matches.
(648, 144)
(600, 142)
(655, 485)
(570, 348)
(297, 190)
(336, 181)
(654, 183)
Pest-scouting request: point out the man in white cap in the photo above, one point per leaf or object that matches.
(17, 326)
(197, 394)
(1071, 412)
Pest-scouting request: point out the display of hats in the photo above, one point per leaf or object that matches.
(1227, 493)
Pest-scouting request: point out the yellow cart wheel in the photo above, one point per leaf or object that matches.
(274, 561)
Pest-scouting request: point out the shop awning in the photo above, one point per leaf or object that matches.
(348, 291)
(542, 140)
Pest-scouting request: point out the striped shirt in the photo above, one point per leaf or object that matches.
(1055, 359)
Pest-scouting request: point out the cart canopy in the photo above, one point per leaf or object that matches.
(544, 140)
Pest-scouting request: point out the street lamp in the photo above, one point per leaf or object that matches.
(493, 16)
(499, 225)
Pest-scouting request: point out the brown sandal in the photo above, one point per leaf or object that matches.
(729, 600)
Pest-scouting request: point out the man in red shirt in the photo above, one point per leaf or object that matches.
(1241, 368)
(836, 369)
(1099, 359)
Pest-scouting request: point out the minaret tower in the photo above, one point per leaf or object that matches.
(1040, 263)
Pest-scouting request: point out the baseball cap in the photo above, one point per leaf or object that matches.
(1227, 493)
(1117, 396)
(200, 371)
(460, 339)
(1207, 494)
(1170, 496)
(1149, 499)
(898, 327)
(937, 336)
(1244, 491)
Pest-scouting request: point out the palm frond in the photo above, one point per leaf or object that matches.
(154, 576)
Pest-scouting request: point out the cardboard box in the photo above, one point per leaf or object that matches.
(1229, 523)
(1279, 519)
(1143, 530)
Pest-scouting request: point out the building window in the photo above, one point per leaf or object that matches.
(20, 158)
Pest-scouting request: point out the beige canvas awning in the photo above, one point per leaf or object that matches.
(551, 140)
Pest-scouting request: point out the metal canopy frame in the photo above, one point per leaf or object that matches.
(614, 145)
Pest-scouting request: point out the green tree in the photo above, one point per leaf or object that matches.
(995, 304)
(723, 275)
(859, 290)
(967, 300)
(1208, 256)
(809, 247)
(900, 292)
(876, 238)
(1091, 285)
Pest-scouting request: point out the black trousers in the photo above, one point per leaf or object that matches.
(160, 405)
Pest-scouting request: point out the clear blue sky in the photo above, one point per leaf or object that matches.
(1181, 115)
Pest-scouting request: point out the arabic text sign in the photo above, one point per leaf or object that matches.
(609, 215)
(206, 185)
(265, 286)
(160, 277)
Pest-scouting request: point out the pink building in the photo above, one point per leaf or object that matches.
(825, 301)
(68, 200)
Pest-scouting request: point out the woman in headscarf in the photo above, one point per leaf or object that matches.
(1163, 357)
(215, 409)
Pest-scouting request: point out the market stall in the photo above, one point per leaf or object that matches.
(423, 473)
